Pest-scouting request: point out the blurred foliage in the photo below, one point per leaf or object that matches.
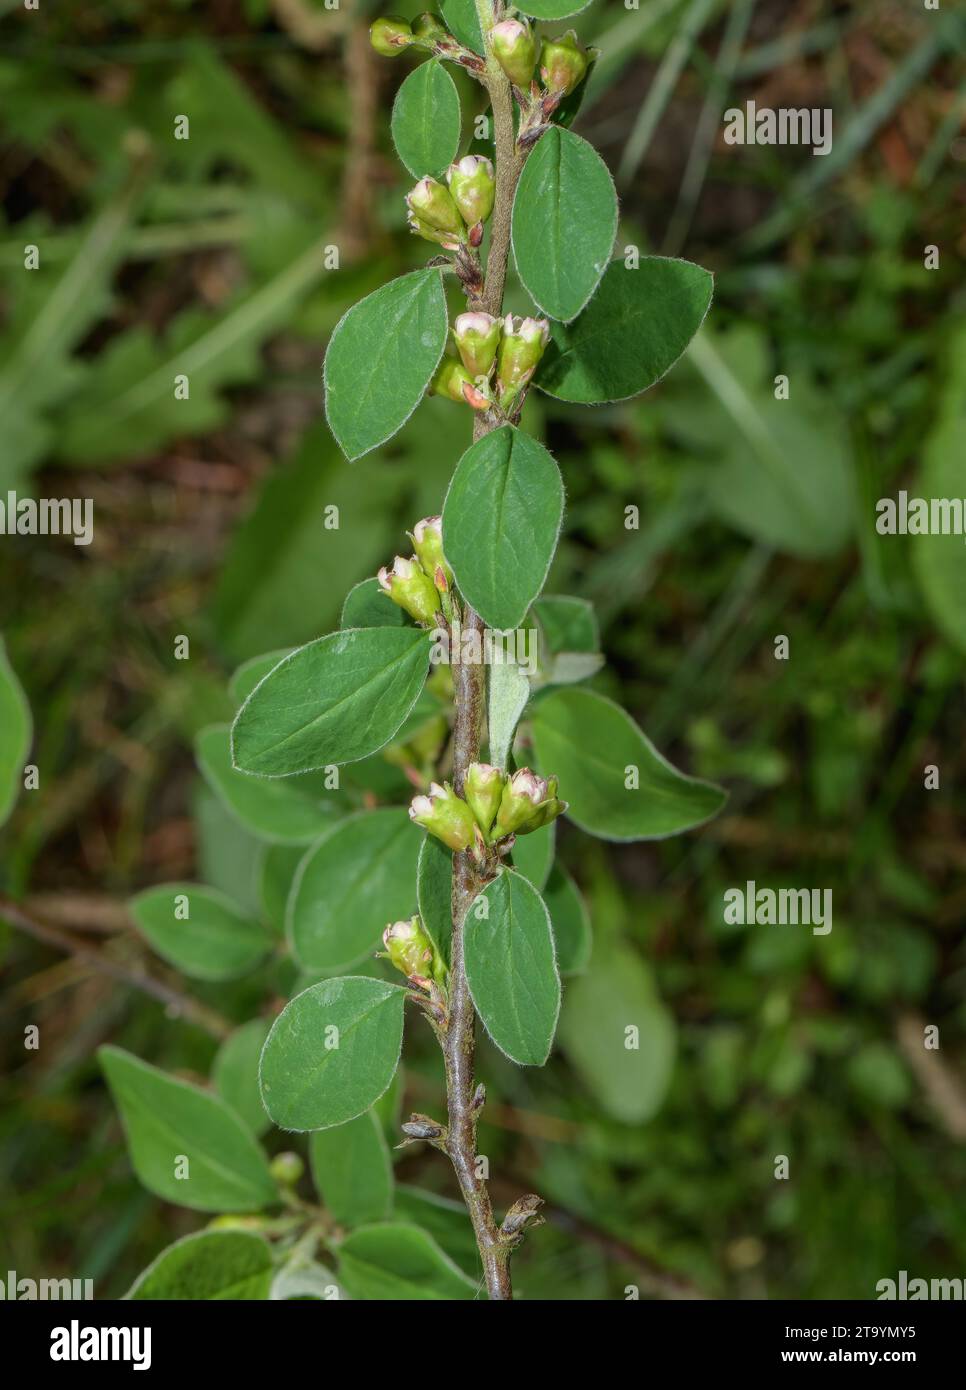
(208, 256)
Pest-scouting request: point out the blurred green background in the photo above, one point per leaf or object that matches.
(757, 519)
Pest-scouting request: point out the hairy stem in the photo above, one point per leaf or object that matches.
(459, 1045)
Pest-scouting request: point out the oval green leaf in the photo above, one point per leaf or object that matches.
(380, 359)
(616, 783)
(208, 1265)
(332, 702)
(352, 1171)
(434, 887)
(617, 994)
(395, 1261)
(564, 223)
(463, 22)
(15, 735)
(570, 921)
(552, 9)
(368, 605)
(284, 813)
(360, 876)
(426, 120)
(633, 331)
(332, 1052)
(174, 1128)
(245, 678)
(234, 1073)
(501, 519)
(199, 930)
(512, 969)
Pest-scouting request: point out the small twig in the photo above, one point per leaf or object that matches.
(943, 1089)
(173, 1000)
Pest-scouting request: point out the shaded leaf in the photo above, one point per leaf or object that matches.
(208, 1265)
(199, 930)
(352, 1170)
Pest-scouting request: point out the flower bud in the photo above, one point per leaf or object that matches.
(563, 66)
(445, 815)
(528, 802)
(390, 35)
(430, 28)
(433, 214)
(483, 789)
(473, 187)
(453, 381)
(515, 49)
(477, 337)
(410, 950)
(427, 539)
(286, 1169)
(407, 585)
(521, 348)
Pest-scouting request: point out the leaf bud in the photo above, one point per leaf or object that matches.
(477, 336)
(390, 34)
(473, 187)
(521, 348)
(445, 815)
(430, 28)
(515, 49)
(407, 585)
(421, 1127)
(528, 802)
(483, 789)
(411, 951)
(563, 65)
(433, 214)
(286, 1169)
(427, 539)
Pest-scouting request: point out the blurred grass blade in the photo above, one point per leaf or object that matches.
(662, 88)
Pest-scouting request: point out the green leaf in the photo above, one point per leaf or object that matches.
(353, 1171)
(463, 22)
(434, 885)
(276, 874)
(173, 1127)
(234, 1073)
(396, 1262)
(368, 605)
(208, 1265)
(509, 691)
(552, 9)
(569, 624)
(15, 735)
(426, 120)
(616, 783)
(501, 519)
(332, 702)
(603, 1006)
(564, 223)
(285, 813)
(332, 1052)
(380, 359)
(199, 930)
(302, 1279)
(783, 471)
(360, 876)
(511, 968)
(533, 854)
(244, 680)
(443, 1219)
(632, 332)
(570, 921)
(939, 561)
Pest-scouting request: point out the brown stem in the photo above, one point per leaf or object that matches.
(181, 1004)
(459, 1042)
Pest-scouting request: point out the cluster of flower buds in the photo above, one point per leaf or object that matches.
(497, 358)
(413, 954)
(421, 584)
(563, 63)
(454, 215)
(496, 806)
